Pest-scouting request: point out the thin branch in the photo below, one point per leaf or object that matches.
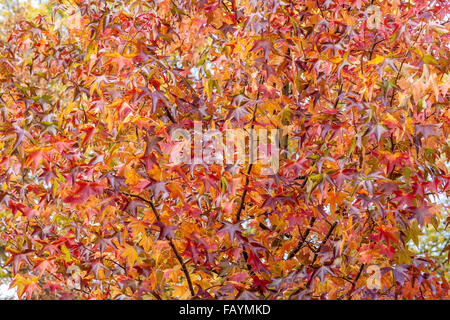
(318, 250)
(303, 240)
(247, 177)
(171, 243)
(323, 242)
(249, 169)
(361, 268)
(394, 89)
(372, 49)
(169, 114)
(339, 93)
(156, 295)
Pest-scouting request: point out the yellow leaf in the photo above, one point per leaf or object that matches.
(438, 28)
(181, 292)
(208, 88)
(377, 60)
(177, 190)
(132, 177)
(270, 106)
(131, 255)
(389, 119)
(146, 243)
(66, 253)
(429, 59)
(409, 125)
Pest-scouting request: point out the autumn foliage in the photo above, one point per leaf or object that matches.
(91, 207)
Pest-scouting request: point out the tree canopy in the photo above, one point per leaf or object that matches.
(92, 207)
